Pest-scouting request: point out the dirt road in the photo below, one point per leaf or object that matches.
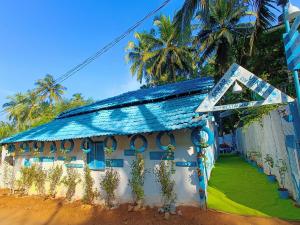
(37, 211)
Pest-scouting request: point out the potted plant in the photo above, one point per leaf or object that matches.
(282, 169)
(259, 162)
(253, 158)
(248, 157)
(270, 163)
(260, 167)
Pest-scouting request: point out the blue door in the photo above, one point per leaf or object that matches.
(95, 158)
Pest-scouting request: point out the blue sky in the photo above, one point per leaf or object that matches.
(51, 36)
(40, 37)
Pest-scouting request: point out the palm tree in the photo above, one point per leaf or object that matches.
(33, 104)
(161, 55)
(220, 28)
(49, 90)
(17, 109)
(259, 9)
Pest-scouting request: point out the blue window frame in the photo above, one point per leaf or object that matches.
(96, 158)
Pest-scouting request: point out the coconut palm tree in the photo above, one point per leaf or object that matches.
(161, 55)
(49, 90)
(260, 10)
(33, 104)
(220, 28)
(17, 109)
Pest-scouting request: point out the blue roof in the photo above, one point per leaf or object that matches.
(168, 107)
(146, 95)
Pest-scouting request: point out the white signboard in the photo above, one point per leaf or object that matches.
(237, 73)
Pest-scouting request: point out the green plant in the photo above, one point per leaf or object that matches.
(40, 179)
(70, 181)
(137, 178)
(89, 193)
(26, 179)
(109, 184)
(256, 114)
(35, 151)
(270, 162)
(163, 175)
(282, 169)
(54, 177)
(203, 143)
(9, 176)
(171, 147)
(108, 151)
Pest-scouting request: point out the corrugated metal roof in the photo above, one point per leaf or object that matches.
(146, 95)
(169, 114)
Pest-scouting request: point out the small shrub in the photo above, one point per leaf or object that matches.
(89, 193)
(137, 178)
(26, 179)
(270, 162)
(54, 177)
(70, 181)
(109, 184)
(9, 177)
(282, 169)
(40, 180)
(163, 175)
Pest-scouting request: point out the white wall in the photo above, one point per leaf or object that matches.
(270, 137)
(185, 177)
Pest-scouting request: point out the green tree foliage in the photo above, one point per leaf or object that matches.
(48, 89)
(38, 106)
(220, 28)
(261, 14)
(161, 55)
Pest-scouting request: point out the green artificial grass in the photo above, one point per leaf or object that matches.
(237, 187)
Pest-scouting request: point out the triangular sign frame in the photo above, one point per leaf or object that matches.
(237, 73)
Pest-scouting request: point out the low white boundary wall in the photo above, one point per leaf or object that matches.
(277, 136)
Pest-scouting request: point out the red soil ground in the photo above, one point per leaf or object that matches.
(38, 211)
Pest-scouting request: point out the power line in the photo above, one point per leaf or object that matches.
(101, 51)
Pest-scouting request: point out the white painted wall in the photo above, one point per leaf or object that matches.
(186, 178)
(269, 137)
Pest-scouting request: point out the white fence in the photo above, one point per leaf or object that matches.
(277, 134)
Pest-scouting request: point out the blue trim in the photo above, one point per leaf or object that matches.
(129, 152)
(186, 164)
(26, 147)
(62, 145)
(62, 158)
(96, 157)
(113, 140)
(165, 147)
(142, 148)
(47, 159)
(86, 145)
(27, 163)
(36, 146)
(114, 162)
(73, 165)
(53, 147)
(11, 148)
(196, 136)
(161, 155)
